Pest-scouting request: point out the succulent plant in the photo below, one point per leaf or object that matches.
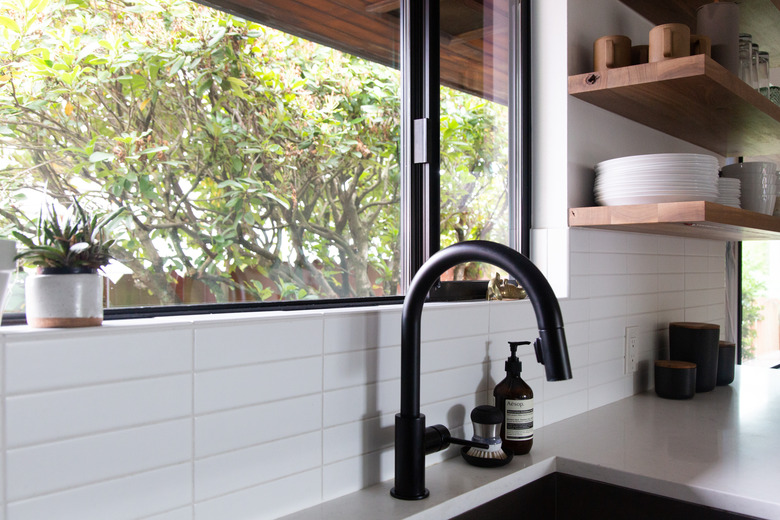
(76, 242)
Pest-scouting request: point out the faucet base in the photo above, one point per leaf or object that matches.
(409, 458)
(410, 497)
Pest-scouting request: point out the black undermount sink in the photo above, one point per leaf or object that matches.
(564, 497)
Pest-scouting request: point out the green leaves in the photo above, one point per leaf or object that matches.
(8, 23)
(100, 156)
(73, 241)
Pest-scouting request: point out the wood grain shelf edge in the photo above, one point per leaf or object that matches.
(698, 219)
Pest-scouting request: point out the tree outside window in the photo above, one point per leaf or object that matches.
(254, 165)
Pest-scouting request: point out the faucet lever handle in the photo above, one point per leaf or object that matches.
(538, 350)
(437, 438)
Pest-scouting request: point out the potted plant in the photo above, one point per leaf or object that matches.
(67, 252)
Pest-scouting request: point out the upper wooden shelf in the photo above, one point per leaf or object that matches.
(761, 18)
(696, 219)
(692, 98)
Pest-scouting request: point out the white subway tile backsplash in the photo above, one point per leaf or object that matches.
(717, 249)
(350, 475)
(642, 303)
(607, 307)
(608, 371)
(671, 264)
(699, 314)
(443, 321)
(249, 426)
(607, 263)
(54, 466)
(704, 297)
(668, 245)
(608, 242)
(49, 416)
(641, 243)
(716, 264)
(359, 330)
(259, 416)
(498, 342)
(579, 264)
(642, 284)
(265, 502)
(511, 315)
(579, 287)
(577, 332)
(254, 384)
(560, 408)
(696, 264)
(671, 282)
(247, 468)
(450, 353)
(577, 384)
(641, 264)
(696, 281)
(668, 301)
(359, 403)
(96, 358)
(600, 351)
(608, 285)
(361, 367)
(358, 438)
(218, 346)
(697, 247)
(575, 310)
(135, 496)
(607, 328)
(610, 392)
(447, 384)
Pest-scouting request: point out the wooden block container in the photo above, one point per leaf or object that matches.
(675, 379)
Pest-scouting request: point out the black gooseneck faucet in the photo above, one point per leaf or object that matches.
(412, 439)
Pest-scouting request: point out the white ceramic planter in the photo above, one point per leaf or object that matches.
(64, 300)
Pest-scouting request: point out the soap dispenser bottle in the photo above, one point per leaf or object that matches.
(516, 400)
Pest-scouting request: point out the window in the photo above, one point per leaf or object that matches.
(760, 288)
(258, 151)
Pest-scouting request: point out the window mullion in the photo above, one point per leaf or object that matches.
(420, 196)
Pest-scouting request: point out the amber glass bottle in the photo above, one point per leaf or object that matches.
(516, 400)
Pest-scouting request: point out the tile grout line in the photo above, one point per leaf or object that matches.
(322, 409)
(192, 422)
(4, 431)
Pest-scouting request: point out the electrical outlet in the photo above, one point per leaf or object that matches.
(632, 349)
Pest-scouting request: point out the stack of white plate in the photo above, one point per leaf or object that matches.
(728, 192)
(758, 183)
(649, 179)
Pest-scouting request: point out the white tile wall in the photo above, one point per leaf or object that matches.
(259, 416)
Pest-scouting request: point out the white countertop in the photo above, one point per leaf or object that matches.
(720, 449)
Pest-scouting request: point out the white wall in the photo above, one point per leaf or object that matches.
(255, 416)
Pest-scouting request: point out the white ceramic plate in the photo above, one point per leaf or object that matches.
(648, 199)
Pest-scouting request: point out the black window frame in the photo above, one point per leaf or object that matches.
(420, 189)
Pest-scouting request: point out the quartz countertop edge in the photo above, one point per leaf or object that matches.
(719, 449)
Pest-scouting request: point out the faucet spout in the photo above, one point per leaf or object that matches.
(551, 348)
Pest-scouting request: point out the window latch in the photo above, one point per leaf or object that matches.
(420, 135)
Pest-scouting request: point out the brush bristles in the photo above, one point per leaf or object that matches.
(498, 454)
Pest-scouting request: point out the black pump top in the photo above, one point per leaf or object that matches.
(514, 366)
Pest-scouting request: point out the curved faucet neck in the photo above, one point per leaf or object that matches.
(543, 299)
(410, 430)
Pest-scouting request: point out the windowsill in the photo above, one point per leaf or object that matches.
(191, 320)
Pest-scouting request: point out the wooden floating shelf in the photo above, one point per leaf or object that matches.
(698, 219)
(760, 18)
(694, 99)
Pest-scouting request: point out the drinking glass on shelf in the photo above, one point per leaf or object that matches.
(754, 66)
(745, 56)
(763, 73)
